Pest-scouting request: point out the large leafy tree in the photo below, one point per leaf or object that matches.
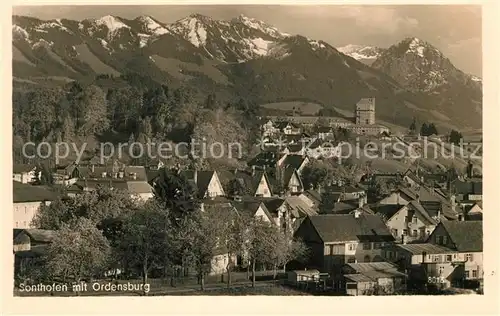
(78, 251)
(261, 238)
(176, 193)
(97, 206)
(286, 250)
(145, 242)
(204, 241)
(317, 174)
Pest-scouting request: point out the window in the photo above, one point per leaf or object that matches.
(415, 233)
(377, 245)
(445, 240)
(448, 258)
(328, 250)
(441, 270)
(440, 240)
(24, 223)
(414, 220)
(367, 246)
(422, 232)
(466, 274)
(367, 258)
(405, 232)
(351, 259)
(468, 257)
(351, 286)
(437, 258)
(389, 254)
(351, 247)
(474, 273)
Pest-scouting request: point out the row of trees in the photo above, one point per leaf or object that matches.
(137, 113)
(427, 129)
(106, 230)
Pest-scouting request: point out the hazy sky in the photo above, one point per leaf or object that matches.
(455, 30)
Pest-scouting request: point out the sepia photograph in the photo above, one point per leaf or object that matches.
(237, 150)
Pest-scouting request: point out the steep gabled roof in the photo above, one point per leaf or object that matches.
(299, 208)
(293, 161)
(388, 210)
(41, 235)
(272, 205)
(466, 235)
(250, 207)
(203, 179)
(417, 249)
(418, 207)
(341, 228)
(31, 193)
(288, 174)
(249, 181)
(313, 194)
(21, 168)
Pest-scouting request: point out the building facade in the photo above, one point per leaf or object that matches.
(365, 111)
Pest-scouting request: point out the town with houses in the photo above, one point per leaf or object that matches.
(424, 233)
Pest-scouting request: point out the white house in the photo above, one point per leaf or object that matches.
(24, 173)
(27, 201)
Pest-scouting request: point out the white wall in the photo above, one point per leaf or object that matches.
(263, 188)
(25, 212)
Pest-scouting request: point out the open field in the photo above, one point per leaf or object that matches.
(305, 108)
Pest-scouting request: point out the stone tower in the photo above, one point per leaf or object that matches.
(365, 111)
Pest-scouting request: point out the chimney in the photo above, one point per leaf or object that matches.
(195, 176)
(93, 168)
(253, 171)
(470, 170)
(424, 256)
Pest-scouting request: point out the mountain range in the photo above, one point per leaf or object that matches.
(245, 57)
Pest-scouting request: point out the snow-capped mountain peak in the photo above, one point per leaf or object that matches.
(418, 65)
(151, 26)
(111, 22)
(20, 32)
(193, 28)
(261, 26)
(417, 46)
(359, 52)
